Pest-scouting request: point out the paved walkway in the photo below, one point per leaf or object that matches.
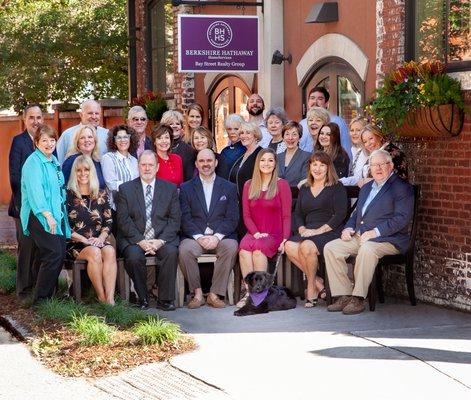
(396, 352)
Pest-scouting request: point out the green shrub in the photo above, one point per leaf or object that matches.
(7, 280)
(60, 310)
(93, 329)
(7, 260)
(157, 331)
(121, 314)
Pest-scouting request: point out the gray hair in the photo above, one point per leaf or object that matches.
(89, 102)
(251, 128)
(277, 112)
(134, 110)
(233, 119)
(318, 112)
(172, 115)
(149, 153)
(381, 152)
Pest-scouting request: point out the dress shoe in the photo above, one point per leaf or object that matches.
(215, 301)
(195, 303)
(355, 306)
(165, 305)
(339, 304)
(143, 304)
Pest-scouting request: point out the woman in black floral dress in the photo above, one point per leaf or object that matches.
(373, 139)
(90, 219)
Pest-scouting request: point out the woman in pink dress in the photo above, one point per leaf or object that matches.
(266, 209)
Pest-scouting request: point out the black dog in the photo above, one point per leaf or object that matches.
(265, 297)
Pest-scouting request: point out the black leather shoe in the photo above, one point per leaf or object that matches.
(165, 305)
(143, 304)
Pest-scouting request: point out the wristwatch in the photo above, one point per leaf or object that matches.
(163, 242)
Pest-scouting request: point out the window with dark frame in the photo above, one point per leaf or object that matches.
(439, 30)
(160, 47)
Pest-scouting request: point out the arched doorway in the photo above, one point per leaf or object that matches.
(346, 88)
(229, 96)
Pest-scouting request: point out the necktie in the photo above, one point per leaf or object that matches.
(352, 168)
(149, 231)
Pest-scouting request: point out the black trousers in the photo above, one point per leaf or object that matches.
(51, 249)
(135, 265)
(28, 262)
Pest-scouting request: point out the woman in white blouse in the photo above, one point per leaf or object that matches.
(359, 156)
(118, 164)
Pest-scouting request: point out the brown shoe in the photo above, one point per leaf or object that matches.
(339, 304)
(356, 306)
(195, 303)
(215, 301)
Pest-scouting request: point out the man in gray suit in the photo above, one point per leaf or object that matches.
(148, 216)
(378, 227)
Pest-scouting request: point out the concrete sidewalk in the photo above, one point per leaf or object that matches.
(398, 351)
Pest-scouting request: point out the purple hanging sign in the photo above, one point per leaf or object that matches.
(217, 43)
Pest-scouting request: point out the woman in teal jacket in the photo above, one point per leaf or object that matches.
(43, 214)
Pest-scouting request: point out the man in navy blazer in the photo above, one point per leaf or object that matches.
(379, 226)
(21, 148)
(210, 215)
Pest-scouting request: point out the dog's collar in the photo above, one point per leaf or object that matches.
(257, 298)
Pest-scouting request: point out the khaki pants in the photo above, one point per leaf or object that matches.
(367, 257)
(226, 253)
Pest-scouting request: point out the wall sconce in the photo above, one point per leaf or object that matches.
(278, 58)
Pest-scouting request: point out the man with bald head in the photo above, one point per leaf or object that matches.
(210, 215)
(90, 114)
(379, 226)
(21, 148)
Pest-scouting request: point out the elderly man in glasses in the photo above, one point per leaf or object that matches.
(378, 227)
(137, 119)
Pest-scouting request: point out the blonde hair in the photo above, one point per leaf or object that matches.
(360, 119)
(74, 149)
(252, 128)
(87, 162)
(186, 129)
(318, 112)
(172, 115)
(256, 182)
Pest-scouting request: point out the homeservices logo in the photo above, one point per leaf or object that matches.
(219, 34)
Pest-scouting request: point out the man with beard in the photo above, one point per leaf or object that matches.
(90, 113)
(319, 97)
(210, 215)
(21, 148)
(255, 107)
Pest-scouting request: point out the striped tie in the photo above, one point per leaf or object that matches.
(149, 231)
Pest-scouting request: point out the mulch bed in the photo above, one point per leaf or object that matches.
(60, 349)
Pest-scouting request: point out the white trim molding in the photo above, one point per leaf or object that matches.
(211, 77)
(332, 45)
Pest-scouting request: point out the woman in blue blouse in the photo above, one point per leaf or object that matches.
(235, 149)
(43, 212)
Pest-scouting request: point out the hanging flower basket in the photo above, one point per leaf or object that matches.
(419, 100)
(439, 121)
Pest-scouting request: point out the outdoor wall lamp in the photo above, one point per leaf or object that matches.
(278, 58)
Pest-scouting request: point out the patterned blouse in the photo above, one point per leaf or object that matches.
(87, 217)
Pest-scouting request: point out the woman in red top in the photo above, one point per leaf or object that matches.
(266, 205)
(170, 165)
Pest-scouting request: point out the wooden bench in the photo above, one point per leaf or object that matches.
(76, 266)
(205, 258)
(124, 281)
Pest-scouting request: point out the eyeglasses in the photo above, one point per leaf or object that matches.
(380, 165)
(142, 119)
(122, 137)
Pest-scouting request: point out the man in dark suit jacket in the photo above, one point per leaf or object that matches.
(210, 215)
(148, 216)
(379, 226)
(21, 148)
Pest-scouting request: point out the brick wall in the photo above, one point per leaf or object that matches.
(443, 169)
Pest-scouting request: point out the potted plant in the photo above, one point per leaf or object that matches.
(419, 99)
(154, 104)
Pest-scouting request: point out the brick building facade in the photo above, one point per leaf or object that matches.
(366, 41)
